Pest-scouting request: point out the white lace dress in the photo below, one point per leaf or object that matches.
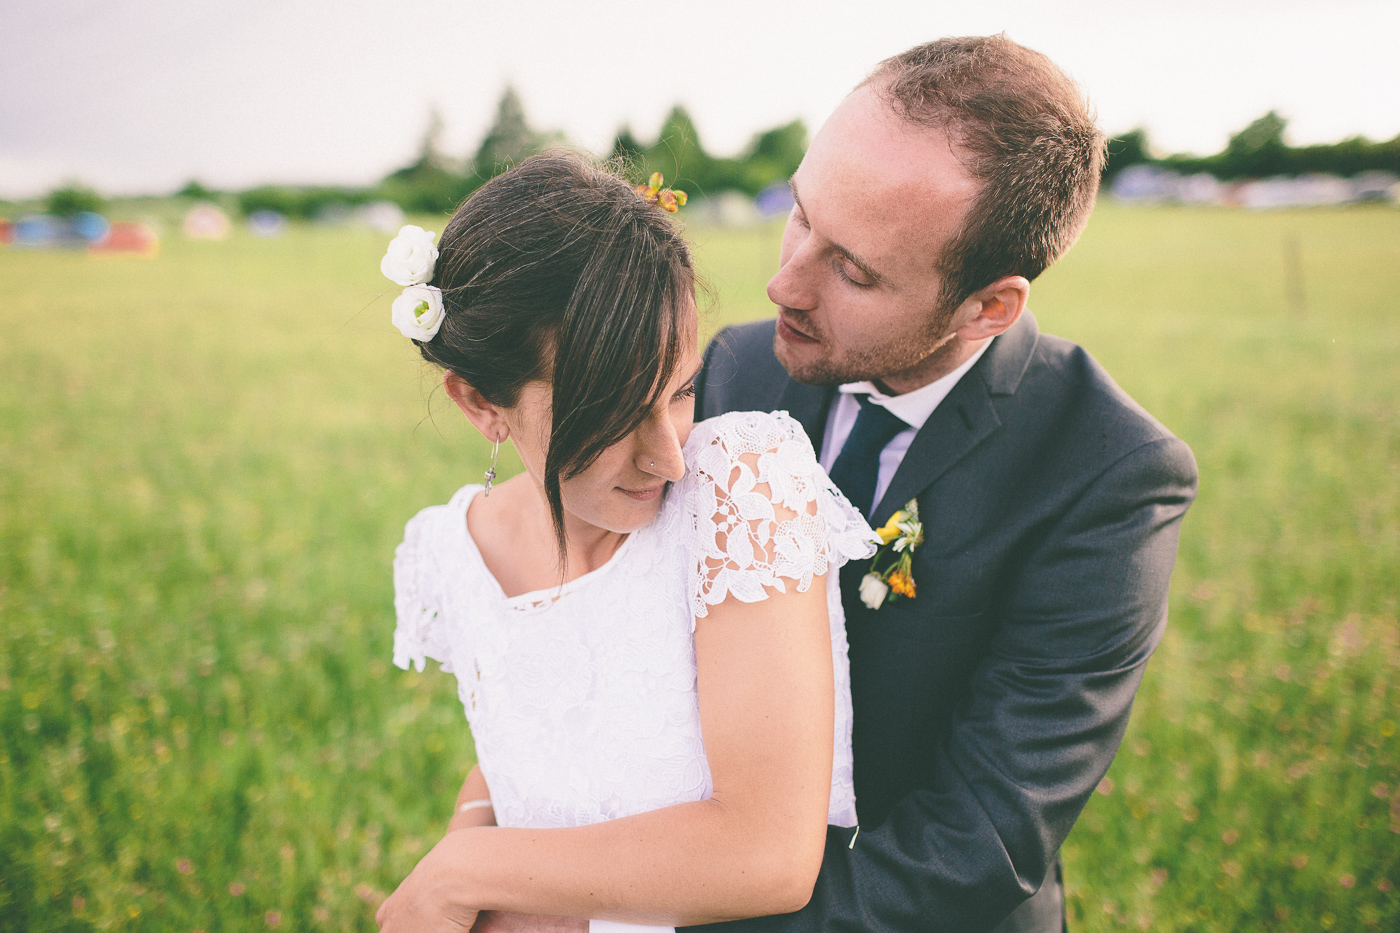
(582, 699)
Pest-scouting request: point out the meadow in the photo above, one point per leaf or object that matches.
(206, 460)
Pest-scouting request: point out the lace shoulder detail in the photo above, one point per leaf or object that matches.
(762, 510)
(421, 565)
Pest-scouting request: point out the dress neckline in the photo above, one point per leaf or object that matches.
(534, 600)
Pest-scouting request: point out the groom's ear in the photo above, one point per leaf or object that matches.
(991, 310)
(489, 419)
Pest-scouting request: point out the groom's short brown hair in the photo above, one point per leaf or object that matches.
(1028, 137)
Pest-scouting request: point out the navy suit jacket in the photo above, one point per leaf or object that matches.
(987, 708)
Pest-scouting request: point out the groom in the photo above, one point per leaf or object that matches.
(989, 705)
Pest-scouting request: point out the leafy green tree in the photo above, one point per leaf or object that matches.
(427, 191)
(73, 198)
(196, 191)
(625, 147)
(773, 155)
(302, 203)
(1261, 149)
(1257, 150)
(1131, 148)
(431, 183)
(678, 155)
(511, 139)
(1264, 133)
(431, 158)
(1351, 156)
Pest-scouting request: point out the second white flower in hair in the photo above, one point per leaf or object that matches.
(418, 312)
(411, 257)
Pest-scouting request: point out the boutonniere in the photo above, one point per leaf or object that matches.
(900, 535)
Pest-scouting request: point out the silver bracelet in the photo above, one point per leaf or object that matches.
(474, 804)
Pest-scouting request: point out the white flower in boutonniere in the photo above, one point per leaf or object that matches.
(411, 257)
(873, 590)
(418, 312)
(901, 535)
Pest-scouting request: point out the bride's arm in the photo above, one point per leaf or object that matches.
(473, 794)
(755, 847)
(476, 797)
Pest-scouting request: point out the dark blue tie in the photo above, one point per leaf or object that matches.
(858, 466)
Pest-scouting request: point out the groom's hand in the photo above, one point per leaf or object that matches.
(498, 921)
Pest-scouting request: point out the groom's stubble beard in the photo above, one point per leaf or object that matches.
(836, 366)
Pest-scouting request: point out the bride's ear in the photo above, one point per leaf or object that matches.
(489, 419)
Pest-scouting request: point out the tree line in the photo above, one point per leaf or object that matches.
(1260, 151)
(435, 182)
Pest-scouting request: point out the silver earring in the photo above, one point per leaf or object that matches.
(491, 473)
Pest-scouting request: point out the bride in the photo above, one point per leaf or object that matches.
(644, 625)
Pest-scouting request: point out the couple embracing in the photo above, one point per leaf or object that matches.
(704, 689)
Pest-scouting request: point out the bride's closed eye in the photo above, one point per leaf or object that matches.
(683, 394)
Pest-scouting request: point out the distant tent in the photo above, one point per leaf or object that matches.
(775, 199)
(45, 231)
(205, 221)
(90, 225)
(267, 224)
(384, 216)
(129, 238)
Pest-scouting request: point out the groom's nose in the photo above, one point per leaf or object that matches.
(791, 286)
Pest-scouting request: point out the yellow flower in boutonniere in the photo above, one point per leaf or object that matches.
(901, 535)
(890, 531)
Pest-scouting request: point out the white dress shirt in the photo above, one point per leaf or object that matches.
(913, 408)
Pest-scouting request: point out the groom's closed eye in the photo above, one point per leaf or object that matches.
(851, 273)
(849, 267)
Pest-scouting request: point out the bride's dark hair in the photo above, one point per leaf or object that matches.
(558, 270)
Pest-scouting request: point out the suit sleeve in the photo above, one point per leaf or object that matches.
(1046, 710)
(714, 374)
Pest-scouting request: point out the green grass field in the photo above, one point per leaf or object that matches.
(206, 460)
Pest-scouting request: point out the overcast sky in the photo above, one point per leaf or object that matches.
(138, 96)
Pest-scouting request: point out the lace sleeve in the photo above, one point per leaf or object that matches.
(421, 629)
(763, 511)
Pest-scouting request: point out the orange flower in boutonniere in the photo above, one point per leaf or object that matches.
(901, 534)
(669, 200)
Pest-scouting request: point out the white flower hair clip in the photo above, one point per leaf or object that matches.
(410, 260)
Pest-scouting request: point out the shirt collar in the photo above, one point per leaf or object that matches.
(915, 407)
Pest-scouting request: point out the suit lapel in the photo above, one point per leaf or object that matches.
(963, 419)
(956, 426)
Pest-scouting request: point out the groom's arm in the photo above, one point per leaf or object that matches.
(1047, 707)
